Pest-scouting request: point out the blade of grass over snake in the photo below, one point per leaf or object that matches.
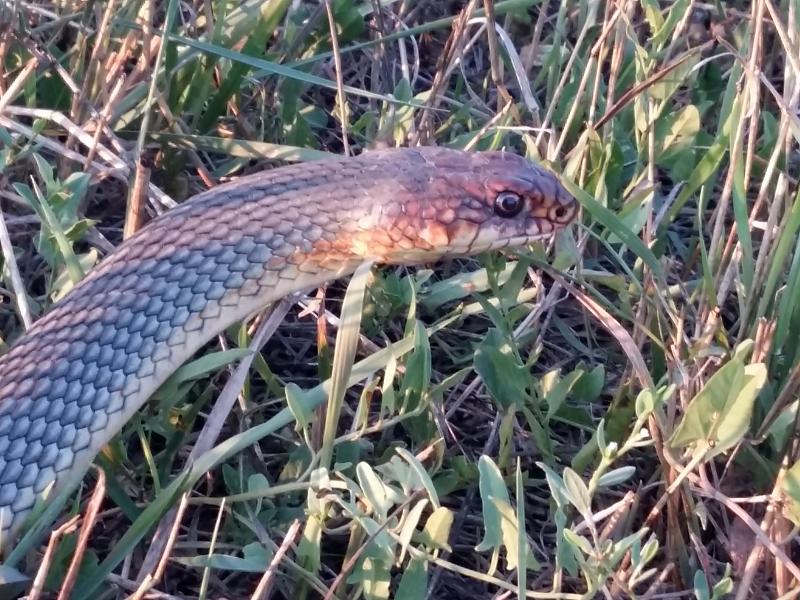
(343, 357)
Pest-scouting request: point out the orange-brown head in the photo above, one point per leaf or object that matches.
(428, 203)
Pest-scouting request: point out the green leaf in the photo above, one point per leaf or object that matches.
(374, 490)
(373, 575)
(409, 526)
(421, 473)
(645, 402)
(414, 581)
(499, 518)
(256, 560)
(381, 544)
(556, 485)
(701, 591)
(556, 389)
(492, 487)
(257, 483)
(590, 385)
(507, 380)
(436, 533)
(579, 543)
(461, 285)
(649, 550)
(679, 128)
(616, 476)
(652, 12)
(667, 26)
(719, 415)
(303, 416)
(568, 556)
(418, 369)
(724, 586)
(310, 547)
(578, 493)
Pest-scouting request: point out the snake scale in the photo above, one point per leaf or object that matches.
(70, 383)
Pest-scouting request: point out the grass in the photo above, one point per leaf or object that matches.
(610, 415)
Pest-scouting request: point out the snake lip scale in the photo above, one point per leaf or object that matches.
(70, 383)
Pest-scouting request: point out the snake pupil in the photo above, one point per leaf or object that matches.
(508, 204)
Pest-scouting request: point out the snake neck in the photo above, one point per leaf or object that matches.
(71, 383)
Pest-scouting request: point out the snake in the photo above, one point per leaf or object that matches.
(70, 383)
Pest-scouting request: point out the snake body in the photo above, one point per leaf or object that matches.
(73, 380)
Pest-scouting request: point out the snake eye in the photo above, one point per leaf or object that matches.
(508, 204)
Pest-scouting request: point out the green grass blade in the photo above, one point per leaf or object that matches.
(343, 357)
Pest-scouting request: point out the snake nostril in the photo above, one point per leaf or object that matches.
(561, 213)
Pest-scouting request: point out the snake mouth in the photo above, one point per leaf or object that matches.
(420, 257)
(518, 241)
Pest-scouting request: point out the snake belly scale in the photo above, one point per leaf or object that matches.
(73, 380)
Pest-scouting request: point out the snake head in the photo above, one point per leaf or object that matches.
(505, 201)
(417, 205)
(454, 203)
